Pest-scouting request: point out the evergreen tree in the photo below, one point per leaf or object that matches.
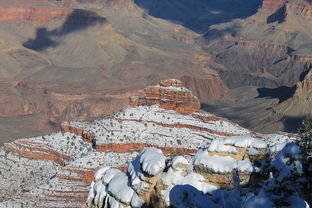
(305, 141)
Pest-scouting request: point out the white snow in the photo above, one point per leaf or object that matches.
(245, 141)
(155, 126)
(109, 175)
(253, 152)
(179, 159)
(119, 188)
(221, 164)
(152, 160)
(172, 178)
(218, 145)
(100, 173)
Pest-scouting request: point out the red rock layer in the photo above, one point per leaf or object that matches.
(271, 6)
(30, 150)
(186, 126)
(31, 13)
(302, 9)
(170, 96)
(72, 129)
(137, 147)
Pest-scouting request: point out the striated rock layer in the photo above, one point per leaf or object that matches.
(32, 13)
(154, 180)
(170, 95)
(69, 159)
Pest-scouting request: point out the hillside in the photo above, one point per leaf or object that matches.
(56, 170)
(267, 49)
(64, 60)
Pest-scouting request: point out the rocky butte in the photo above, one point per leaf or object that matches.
(170, 95)
(133, 155)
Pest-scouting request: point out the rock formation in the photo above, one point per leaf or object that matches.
(151, 181)
(69, 159)
(304, 88)
(56, 170)
(32, 13)
(170, 95)
(74, 60)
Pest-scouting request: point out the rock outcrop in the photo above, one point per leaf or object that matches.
(170, 95)
(154, 180)
(56, 170)
(32, 13)
(227, 159)
(304, 88)
(81, 147)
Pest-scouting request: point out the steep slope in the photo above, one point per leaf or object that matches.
(267, 49)
(80, 60)
(63, 163)
(198, 15)
(282, 108)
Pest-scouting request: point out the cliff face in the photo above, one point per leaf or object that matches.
(170, 95)
(304, 88)
(32, 13)
(271, 6)
(277, 59)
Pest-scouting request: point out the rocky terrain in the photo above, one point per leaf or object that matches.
(56, 170)
(277, 108)
(267, 49)
(78, 60)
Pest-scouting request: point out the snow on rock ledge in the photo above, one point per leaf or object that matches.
(170, 95)
(225, 159)
(152, 160)
(238, 147)
(117, 189)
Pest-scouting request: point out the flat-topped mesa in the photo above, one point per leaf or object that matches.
(170, 95)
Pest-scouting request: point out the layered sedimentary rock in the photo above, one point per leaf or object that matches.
(170, 95)
(304, 88)
(271, 6)
(158, 181)
(32, 13)
(228, 158)
(113, 141)
(63, 163)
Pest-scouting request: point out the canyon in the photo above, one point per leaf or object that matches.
(79, 60)
(51, 168)
(57, 169)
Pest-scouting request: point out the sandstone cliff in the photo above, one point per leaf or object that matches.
(170, 95)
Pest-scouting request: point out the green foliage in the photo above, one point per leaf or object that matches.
(305, 141)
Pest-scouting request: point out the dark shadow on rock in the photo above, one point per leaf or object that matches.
(278, 16)
(307, 67)
(292, 124)
(281, 93)
(215, 33)
(42, 40)
(198, 15)
(78, 20)
(184, 196)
